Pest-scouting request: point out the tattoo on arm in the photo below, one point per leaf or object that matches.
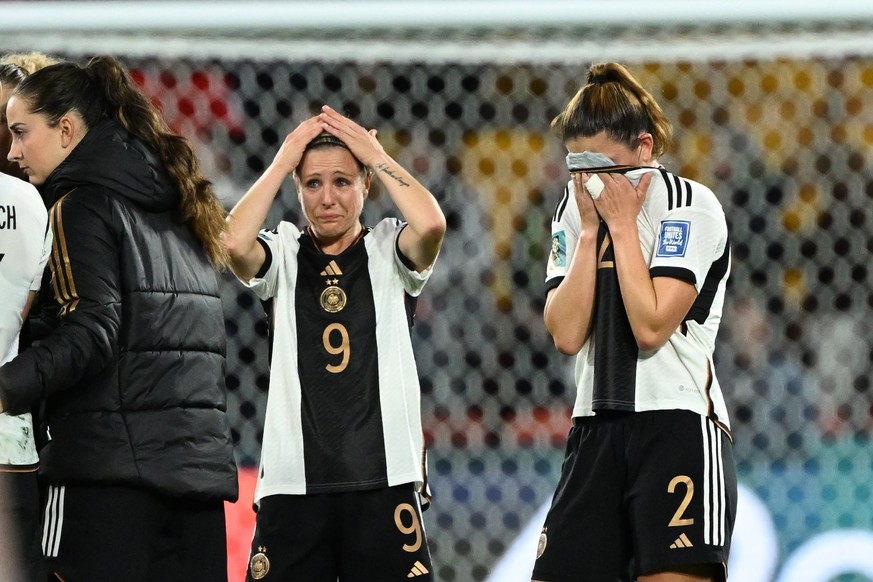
(388, 171)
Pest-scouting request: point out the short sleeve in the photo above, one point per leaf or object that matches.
(386, 233)
(566, 228)
(275, 243)
(690, 238)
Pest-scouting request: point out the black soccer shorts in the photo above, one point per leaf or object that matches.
(360, 536)
(640, 493)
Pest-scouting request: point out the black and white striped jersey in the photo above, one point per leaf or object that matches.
(683, 234)
(343, 411)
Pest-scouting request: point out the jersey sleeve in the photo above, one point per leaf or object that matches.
(566, 228)
(690, 238)
(388, 232)
(266, 281)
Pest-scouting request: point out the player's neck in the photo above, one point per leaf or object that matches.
(335, 246)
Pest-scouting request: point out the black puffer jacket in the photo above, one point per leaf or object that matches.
(134, 375)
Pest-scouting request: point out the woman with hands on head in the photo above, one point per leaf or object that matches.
(343, 451)
(636, 281)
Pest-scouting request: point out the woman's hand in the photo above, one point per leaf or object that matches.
(289, 155)
(620, 202)
(587, 210)
(362, 143)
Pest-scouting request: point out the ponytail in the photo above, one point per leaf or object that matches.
(199, 205)
(612, 100)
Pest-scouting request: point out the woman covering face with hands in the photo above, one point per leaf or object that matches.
(342, 463)
(636, 280)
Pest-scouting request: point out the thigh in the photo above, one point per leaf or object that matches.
(684, 493)
(585, 535)
(383, 537)
(296, 539)
(100, 533)
(192, 544)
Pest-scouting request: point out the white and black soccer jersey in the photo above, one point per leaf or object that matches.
(25, 245)
(343, 411)
(683, 234)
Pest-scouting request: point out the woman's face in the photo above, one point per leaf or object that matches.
(332, 190)
(37, 147)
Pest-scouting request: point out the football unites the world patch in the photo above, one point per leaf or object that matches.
(673, 240)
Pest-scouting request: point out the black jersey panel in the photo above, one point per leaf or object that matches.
(616, 351)
(702, 306)
(339, 373)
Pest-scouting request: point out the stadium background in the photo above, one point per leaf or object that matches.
(773, 110)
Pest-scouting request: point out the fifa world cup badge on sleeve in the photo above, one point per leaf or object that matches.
(673, 240)
(558, 253)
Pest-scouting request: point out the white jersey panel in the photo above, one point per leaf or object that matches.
(283, 432)
(401, 410)
(25, 245)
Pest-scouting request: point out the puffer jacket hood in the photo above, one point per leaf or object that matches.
(110, 157)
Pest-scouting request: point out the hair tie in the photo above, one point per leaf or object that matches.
(600, 79)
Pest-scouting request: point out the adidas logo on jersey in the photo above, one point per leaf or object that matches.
(331, 269)
(418, 569)
(681, 542)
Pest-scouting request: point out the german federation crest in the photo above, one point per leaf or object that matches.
(333, 299)
(259, 565)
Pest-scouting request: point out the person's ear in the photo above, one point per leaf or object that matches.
(368, 181)
(646, 144)
(71, 127)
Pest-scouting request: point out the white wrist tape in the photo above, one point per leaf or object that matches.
(594, 185)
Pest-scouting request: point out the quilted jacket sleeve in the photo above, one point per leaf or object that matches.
(85, 279)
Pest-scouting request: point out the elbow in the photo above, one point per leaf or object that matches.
(431, 238)
(232, 243)
(435, 230)
(650, 339)
(567, 347)
(568, 340)
(568, 344)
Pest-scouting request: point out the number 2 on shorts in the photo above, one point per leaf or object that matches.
(678, 520)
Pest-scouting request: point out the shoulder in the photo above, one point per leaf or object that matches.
(283, 233)
(21, 203)
(386, 229)
(19, 192)
(566, 201)
(669, 192)
(84, 199)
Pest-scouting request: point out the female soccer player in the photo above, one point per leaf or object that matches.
(636, 280)
(342, 462)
